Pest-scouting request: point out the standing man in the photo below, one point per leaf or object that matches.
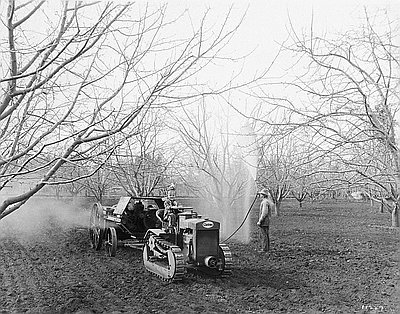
(264, 220)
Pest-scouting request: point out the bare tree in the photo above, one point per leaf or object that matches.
(344, 89)
(353, 82)
(300, 193)
(142, 163)
(99, 167)
(211, 169)
(100, 183)
(68, 172)
(71, 82)
(276, 168)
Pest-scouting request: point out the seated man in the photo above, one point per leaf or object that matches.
(138, 208)
(167, 217)
(130, 216)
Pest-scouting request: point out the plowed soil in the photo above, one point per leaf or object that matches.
(336, 257)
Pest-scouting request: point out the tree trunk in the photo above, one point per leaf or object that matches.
(395, 216)
(277, 209)
(226, 219)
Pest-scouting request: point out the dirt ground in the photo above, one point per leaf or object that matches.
(327, 257)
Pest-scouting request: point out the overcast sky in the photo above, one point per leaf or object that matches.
(266, 21)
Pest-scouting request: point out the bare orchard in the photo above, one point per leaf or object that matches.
(327, 257)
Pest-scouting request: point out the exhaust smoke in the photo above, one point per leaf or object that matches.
(39, 215)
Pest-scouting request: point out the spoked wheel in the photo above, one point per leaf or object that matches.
(111, 241)
(95, 231)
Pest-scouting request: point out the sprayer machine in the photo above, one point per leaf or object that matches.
(173, 239)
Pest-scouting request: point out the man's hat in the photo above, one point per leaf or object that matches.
(264, 192)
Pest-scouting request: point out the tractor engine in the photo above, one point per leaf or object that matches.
(200, 240)
(193, 243)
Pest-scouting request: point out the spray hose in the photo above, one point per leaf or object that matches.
(245, 217)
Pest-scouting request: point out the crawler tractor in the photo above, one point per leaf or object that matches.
(182, 241)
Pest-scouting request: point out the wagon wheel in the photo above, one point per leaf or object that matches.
(111, 241)
(95, 231)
